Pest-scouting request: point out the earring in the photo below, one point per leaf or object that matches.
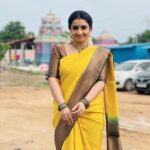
(71, 39)
(90, 42)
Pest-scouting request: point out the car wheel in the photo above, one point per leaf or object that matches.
(129, 85)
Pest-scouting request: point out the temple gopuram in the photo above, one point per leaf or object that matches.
(50, 33)
(106, 40)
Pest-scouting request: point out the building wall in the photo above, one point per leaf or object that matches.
(149, 53)
(27, 54)
(129, 52)
(43, 53)
(124, 54)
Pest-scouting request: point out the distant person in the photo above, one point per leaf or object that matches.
(78, 73)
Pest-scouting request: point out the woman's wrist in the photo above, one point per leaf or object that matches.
(62, 106)
(85, 102)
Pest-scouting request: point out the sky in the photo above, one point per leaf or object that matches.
(121, 18)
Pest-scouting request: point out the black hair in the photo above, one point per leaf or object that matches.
(82, 15)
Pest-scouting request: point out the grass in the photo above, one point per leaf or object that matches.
(14, 77)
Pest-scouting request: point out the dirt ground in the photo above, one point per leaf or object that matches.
(26, 113)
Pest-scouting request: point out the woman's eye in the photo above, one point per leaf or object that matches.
(75, 27)
(82, 27)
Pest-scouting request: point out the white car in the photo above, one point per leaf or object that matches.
(126, 73)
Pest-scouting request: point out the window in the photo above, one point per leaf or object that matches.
(144, 66)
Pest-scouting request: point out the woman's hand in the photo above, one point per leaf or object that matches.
(78, 109)
(66, 116)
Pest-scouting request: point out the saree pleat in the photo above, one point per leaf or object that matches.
(86, 134)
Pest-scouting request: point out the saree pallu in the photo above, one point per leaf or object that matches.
(78, 73)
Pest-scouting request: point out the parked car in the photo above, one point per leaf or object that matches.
(116, 64)
(46, 75)
(127, 71)
(142, 81)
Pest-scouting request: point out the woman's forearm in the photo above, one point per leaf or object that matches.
(97, 87)
(56, 90)
(58, 96)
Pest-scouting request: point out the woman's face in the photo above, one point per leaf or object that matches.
(80, 30)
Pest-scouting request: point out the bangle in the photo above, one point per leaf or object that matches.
(85, 102)
(62, 106)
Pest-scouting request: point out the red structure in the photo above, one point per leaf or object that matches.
(106, 40)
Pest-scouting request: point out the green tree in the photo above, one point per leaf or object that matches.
(30, 34)
(94, 40)
(3, 49)
(65, 34)
(130, 40)
(140, 38)
(13, 30)
(144, 37)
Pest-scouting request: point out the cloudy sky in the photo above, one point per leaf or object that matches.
(121, 18)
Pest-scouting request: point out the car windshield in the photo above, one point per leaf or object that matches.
(126, 66)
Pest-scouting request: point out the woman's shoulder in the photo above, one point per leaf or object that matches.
(62, 44)
(103, 49)
(60, 49)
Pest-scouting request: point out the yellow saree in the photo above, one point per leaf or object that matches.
(77, 72)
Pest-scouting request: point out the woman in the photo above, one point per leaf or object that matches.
(78, 73)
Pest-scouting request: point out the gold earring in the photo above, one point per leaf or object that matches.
(90, 42)
(71, 39)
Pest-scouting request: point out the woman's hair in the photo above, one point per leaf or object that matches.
(81, 15)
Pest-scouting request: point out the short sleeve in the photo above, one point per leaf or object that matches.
(54, 63)
(104, 72)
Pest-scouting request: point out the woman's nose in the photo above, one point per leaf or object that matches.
(79, 31)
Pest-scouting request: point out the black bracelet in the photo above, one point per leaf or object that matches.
(62, 106)
(85, 102)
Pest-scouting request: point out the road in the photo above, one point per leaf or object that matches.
(26, 113)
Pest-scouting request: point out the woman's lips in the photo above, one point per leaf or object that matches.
(79, 37)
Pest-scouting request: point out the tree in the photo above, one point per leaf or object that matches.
(65, 34)
(140, 38)
(144, 37)
(13, 30)
(130, 39)
(3, 50)
(94, 40)
(30, 34)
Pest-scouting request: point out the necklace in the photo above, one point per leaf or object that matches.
(79, 49)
